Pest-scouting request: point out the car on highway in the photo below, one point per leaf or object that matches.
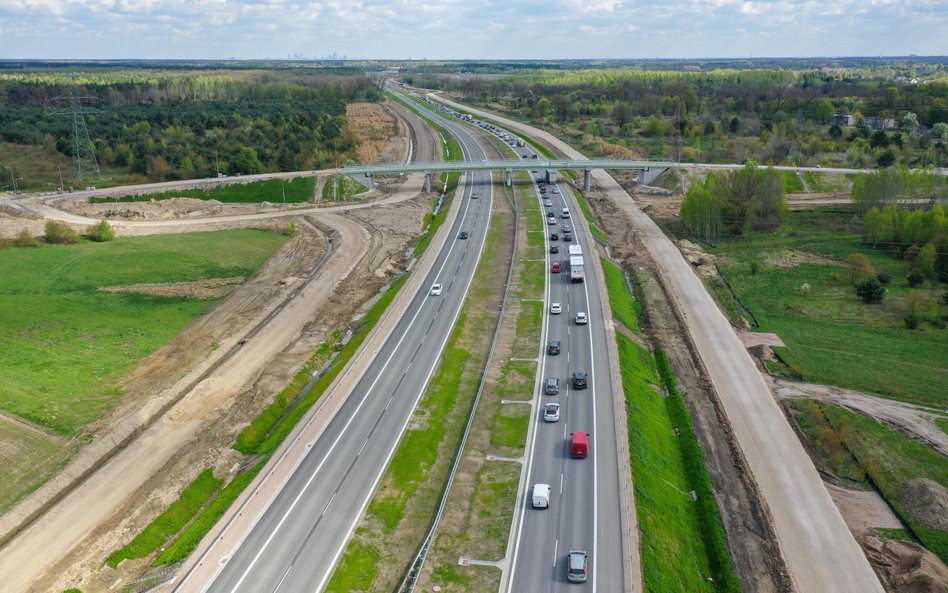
(567, 228)
(551, 220)
(556, 267)
(547, 203)
(581, 318)
(554, 248)
(556, 309)
(576, 566)
(533, 156)
(475, 195)
(463, 235)
(567, 237)
(552, 386)
(556, 190)
(551, 412)
(580, 380)
(541, 496)
(550, 213)
(436, 290)
(554, 236)
(565, 213)
(553, 347)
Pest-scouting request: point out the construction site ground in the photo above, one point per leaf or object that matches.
(371, 243)
(903, 566)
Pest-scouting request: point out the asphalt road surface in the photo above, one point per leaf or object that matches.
(585, 510)
(820, 551)
(296, 543)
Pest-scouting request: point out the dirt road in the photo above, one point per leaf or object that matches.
(40, 561)
(820, 552)
(916, 421)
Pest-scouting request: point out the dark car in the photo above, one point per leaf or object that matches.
(554, 348)
(580, 380)
(463, 235)
(567, 237)
(554, 236)
(554, 248)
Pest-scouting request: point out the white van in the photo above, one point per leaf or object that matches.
(565, 213)
(541, 496)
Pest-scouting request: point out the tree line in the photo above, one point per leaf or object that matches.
(189, 123)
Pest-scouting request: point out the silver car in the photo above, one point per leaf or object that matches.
(551, 413)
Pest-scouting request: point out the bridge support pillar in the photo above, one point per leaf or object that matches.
(371, 179)
(428, 183)
(508, 177)
(587, 179)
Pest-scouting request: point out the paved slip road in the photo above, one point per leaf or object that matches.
(818, 547)
(298, 540)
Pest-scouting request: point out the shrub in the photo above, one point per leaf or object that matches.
(101, 231)
(870, 291)
(806, 289)
(755, 267)
(25, 239)
(884, 278)
(911, 320)
(6, 243)
(915, 278)
(859, 267)
(60, 233)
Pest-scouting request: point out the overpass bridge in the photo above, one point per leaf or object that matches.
(651, 168)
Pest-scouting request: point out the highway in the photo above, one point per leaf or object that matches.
(585, 509)
(820, 551)
(296, 542)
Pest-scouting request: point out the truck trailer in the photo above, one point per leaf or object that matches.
(576, 268)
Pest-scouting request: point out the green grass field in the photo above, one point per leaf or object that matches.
(830, 335)
(295, 190)
(340, 188)
(858, 448)
(624, 308)
(65, 344)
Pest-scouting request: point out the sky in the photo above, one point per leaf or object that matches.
(472, 29)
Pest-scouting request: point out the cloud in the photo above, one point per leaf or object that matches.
(469, 28)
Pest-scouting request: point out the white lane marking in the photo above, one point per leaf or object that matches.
(331, 498)
(391, 453)
(561, 483)
(352, 418)
(556, 547)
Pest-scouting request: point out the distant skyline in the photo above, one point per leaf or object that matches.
(458, 29)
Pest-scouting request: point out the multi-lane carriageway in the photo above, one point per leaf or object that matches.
(297, 541)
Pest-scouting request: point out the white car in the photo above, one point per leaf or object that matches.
(551, 220)
(551, 413)
(436, 290)
(548, 203)
(581, 318)
(556, 308)
(556, 190)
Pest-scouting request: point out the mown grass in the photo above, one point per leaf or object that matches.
(339, 188)
(38, 457)
(170, 522)
(510, 428)
(624, 308)
(859, 448)
(208, 517)
(792, 184)
(830, 335)
(65, 344)
(296, 190)
(590, 217)
(401, 508)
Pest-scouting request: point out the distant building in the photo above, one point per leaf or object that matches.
(844, 121)
(879, 123)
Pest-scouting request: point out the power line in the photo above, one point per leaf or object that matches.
(82, 149)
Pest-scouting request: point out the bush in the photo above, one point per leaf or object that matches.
(6, 243)
(884, 278)
(915, 279)
(870, 291)
(911, 320)
(755, 267)
(101, 231)
(60, 233)
(25, 239)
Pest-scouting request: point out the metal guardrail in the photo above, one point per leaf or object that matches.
(414, 571)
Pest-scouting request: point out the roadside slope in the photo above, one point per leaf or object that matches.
(821, 553)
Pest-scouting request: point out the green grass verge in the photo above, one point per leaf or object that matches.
(830, 335)
(296, 190)
(402, 506)
(339, 188)
(624, 308)
(65, 344)
(590, 217)
(710, 529)
(857, 447)
(209, 516)
(170, 522)
(792, 184)
(510, 427)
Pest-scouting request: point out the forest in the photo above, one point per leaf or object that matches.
(875, 115)
(154, 124)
